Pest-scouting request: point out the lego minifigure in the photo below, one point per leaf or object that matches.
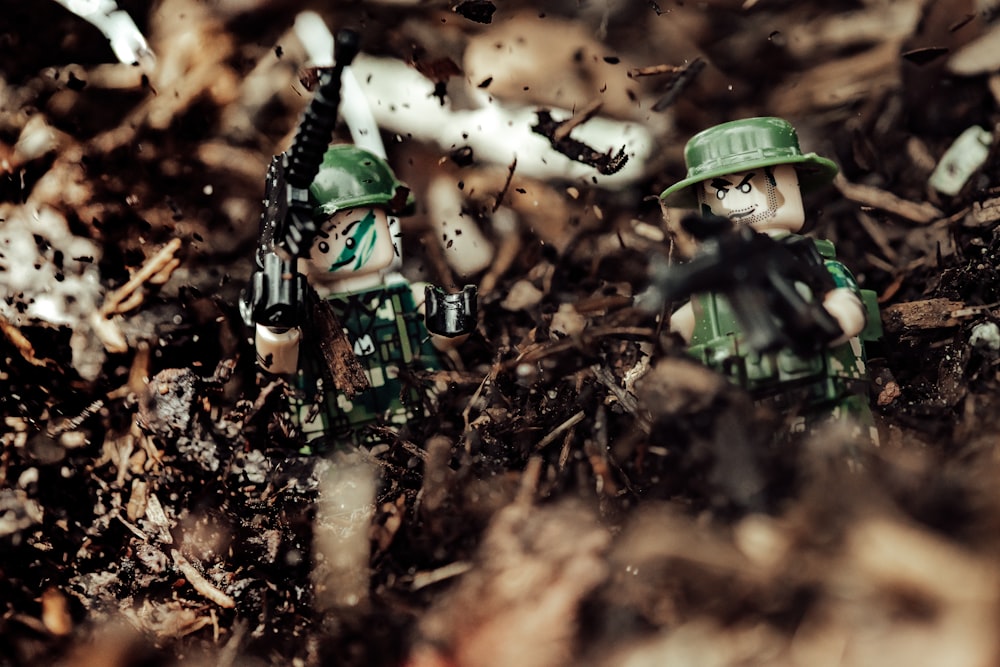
(327, 232)
(752, 173)
(355, 193)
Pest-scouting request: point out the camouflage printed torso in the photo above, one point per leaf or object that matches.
(815, 383)
(388, 334)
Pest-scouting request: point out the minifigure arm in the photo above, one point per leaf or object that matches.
(682, 322)
(845, 307)
(844, 303)
(277, 349)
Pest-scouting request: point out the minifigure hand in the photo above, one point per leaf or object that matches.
(450, 315)
(277, 293)
(847, 309)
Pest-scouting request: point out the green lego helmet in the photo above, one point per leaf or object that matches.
(350, 177)
(745, 144)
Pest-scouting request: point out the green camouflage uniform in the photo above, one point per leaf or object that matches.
(831, 384)
(387, 334)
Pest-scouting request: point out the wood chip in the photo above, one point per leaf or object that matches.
(839, 82)
(983, 214)
(158, 518)
(138, 500)
(919, 315)
(979, 56)
(868, 195)
(55, 612)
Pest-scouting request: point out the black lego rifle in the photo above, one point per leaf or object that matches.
(279, 295)
(287, 228)
(761, 276)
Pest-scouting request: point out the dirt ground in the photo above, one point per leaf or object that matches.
(580, 493)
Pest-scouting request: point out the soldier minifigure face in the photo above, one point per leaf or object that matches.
(352, 242)
(767, 198)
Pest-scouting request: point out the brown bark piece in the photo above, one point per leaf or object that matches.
(926, 314)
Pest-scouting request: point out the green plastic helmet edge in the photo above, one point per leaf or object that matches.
(351, 176)
(745, 144)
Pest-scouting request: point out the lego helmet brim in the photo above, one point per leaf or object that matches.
(352, 177)
(814, 172)
(402, 203)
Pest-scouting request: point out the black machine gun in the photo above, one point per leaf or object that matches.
(762, 277)
(287, 228)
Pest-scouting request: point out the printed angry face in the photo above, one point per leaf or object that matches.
(352, 242)
(767, 198)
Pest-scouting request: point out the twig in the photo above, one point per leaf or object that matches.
(490, 377)
(565, 426)
(543, 350)
(74, 423)
(604, 163)
(627, 400)
(198, 581)
(156, 270)
(19, 341)
(868, 195)
(505, 257)
(529, 481)
(654, 69)
(679, 83)
(134, 529)
(506, 185)
(228, 654)
(579, 118)
(424, 579)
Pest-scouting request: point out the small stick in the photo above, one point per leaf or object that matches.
(424, 579)
(579, 118)
(200, 583)
(565, 426)
(156, 270)
(868, 195)
(22, 344)
(506, 185)
(652, 70)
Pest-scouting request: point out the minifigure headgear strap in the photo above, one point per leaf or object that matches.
(350, 177)
(745, 144)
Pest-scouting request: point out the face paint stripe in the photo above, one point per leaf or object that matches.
(364, 243)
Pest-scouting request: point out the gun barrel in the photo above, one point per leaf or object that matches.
(320, 117)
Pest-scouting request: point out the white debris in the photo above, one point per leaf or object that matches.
(522, 295)
(985, 335)
(341, 545)
(126, 40)
(466, 248)
(52, 280)
(403, 102)
(966, 155)
(567, 321)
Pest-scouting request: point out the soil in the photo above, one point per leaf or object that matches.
(580, 492)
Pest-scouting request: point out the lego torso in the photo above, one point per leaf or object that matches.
(390, 340)
(826, 375)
